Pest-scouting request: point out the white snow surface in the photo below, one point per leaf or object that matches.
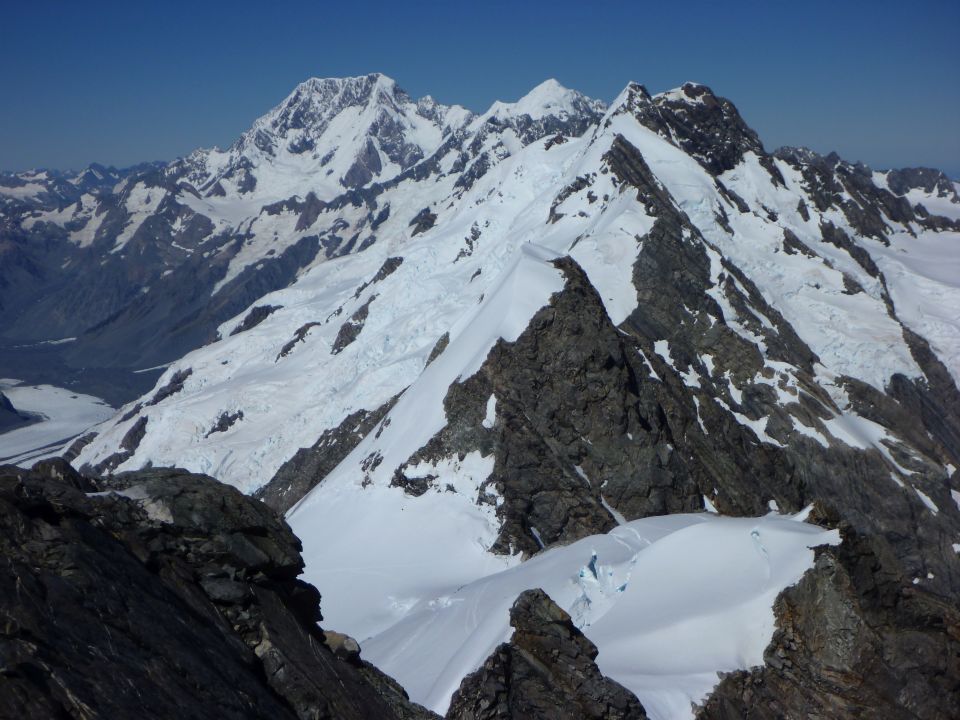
(27, 190)
(669, 601)
(923, 276)
(432, 292)
(289, 401)
(673, 600)
(547, 98)
(65, 415)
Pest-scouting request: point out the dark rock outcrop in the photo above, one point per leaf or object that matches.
(545, 672)
(568, 428)
(128, 446)
(10, 417)
(163, 594)
(707, 127)
(173, 386)
(257, 315)
(423, 221)
(298, 337)
(298, 475)
(438, 347)
(388, 268)
(226, 421)
(351, 328)
(77, 446)
(851, 642)
(903, 180)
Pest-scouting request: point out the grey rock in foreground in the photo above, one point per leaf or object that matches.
(546, 671)
(162, 594)
(852, 642)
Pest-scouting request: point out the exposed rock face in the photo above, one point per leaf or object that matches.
(423, 221)
(852, 642)
(226, 421)
(902, 180)
(173, 386)
(309, 466)
(708, 127)
(257, 315)
(832, 182)
(71, 453)
(298, 337)
(389, 266)
(569, 428)
(545, 672)
(439, 347)
(352, 327)
(10, 417)
(128, 445)
(164, 594)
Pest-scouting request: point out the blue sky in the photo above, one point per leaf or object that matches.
(121, 82)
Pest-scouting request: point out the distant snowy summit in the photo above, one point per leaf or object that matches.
(333, 134)
(328, 135)
(143, 248)
(469, 355)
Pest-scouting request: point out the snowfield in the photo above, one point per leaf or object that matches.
(65, 414)
(669, 601)
(445, 273)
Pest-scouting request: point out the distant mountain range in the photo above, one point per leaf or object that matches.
(470, 355)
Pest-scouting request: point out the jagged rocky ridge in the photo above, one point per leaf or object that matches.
(613, 317)
(545, 672)
(165, 594)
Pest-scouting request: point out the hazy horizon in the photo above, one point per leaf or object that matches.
(121, 85)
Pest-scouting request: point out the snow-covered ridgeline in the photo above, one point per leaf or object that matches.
(444, 273)
(434, 291)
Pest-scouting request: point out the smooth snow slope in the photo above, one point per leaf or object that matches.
(669, 602)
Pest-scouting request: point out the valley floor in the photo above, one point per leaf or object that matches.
(65, 415)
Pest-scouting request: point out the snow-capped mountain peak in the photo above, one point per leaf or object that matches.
(344, 132)
(448, 343)
(314, 102)
(547, 98)
(630, 99)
